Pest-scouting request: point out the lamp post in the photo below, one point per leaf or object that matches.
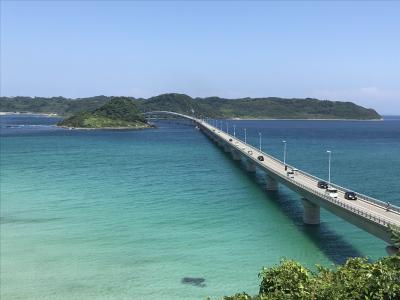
(329, 166)
(284, 152)
(221, 126)
(259, 135)
(245, 136)
(227, 128)
(234, 130)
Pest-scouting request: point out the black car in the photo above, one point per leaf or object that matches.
(350, 196)
(230, 140)
(322, 185)
(260, 158)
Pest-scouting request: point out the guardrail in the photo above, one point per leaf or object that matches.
(362, 197)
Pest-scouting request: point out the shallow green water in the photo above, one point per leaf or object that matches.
(129, 214)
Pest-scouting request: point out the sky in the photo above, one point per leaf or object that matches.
(336, 50)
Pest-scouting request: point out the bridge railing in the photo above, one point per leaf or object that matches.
(360, 196)
(355, 210)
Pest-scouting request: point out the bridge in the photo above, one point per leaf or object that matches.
(367, 213)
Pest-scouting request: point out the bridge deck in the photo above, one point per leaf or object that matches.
(374, 211)
(368, 210)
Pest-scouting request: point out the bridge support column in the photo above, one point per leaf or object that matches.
(311, 215)
(235, 155)
(250, 166)
(272, 184)
(227, 148)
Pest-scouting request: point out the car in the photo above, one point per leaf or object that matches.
(290, 174)
(230, 140)
(350, 195)
(322, 184)
(250, 152)
(331, 192)
(295, 170)
(260, 158)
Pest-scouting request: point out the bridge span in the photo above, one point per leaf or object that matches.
(367, 213)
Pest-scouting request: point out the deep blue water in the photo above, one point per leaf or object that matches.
(129, 214)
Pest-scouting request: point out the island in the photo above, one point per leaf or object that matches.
(118, 113)
(211, 107)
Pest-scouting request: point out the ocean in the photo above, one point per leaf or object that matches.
(164, 213)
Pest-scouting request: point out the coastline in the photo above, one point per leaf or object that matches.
(7, 113)
(106, 128)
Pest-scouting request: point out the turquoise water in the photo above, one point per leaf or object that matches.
(129, 214)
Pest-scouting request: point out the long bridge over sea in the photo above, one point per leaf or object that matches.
(372, 215)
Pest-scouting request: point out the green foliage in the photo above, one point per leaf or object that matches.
(119, 112)
(214, 107)
(357, 279)
(395, 235)
(289, 280)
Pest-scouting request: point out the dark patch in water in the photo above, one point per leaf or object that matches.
(196, 281)
(13, 220)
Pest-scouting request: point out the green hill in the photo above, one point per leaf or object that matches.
(214, 107)
(119, 112)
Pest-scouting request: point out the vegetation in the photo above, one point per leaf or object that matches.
(214, 107)
(357, 279)
(120, 112)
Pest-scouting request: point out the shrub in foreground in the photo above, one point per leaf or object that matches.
(356, 279)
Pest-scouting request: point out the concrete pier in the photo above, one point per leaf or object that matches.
(311, 214)
(272, 184)
(250, 166)
(235, 155)
(227, 148)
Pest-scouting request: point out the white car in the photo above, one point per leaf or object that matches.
(290, 174)
(331, 192)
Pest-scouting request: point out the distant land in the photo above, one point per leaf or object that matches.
(118, 113)
(213, 107)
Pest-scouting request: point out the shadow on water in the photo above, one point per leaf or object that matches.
(195, 281)
(335, 247)
(15, 220)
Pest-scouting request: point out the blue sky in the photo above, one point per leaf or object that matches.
(328, 50)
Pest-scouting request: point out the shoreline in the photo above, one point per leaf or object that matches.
(105, 128)
(5, 113)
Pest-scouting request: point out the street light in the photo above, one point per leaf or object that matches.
(259, 135)
(245, 136)
(234, 130)
(284, 152)
(221, 126)
(329, 166)
(227, 128)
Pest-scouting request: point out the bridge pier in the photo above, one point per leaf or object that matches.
(311, 215)
(272, 184)
(250, 166)
(227, 148)
(235, 155)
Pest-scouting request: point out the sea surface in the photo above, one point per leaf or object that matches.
(131, 214)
